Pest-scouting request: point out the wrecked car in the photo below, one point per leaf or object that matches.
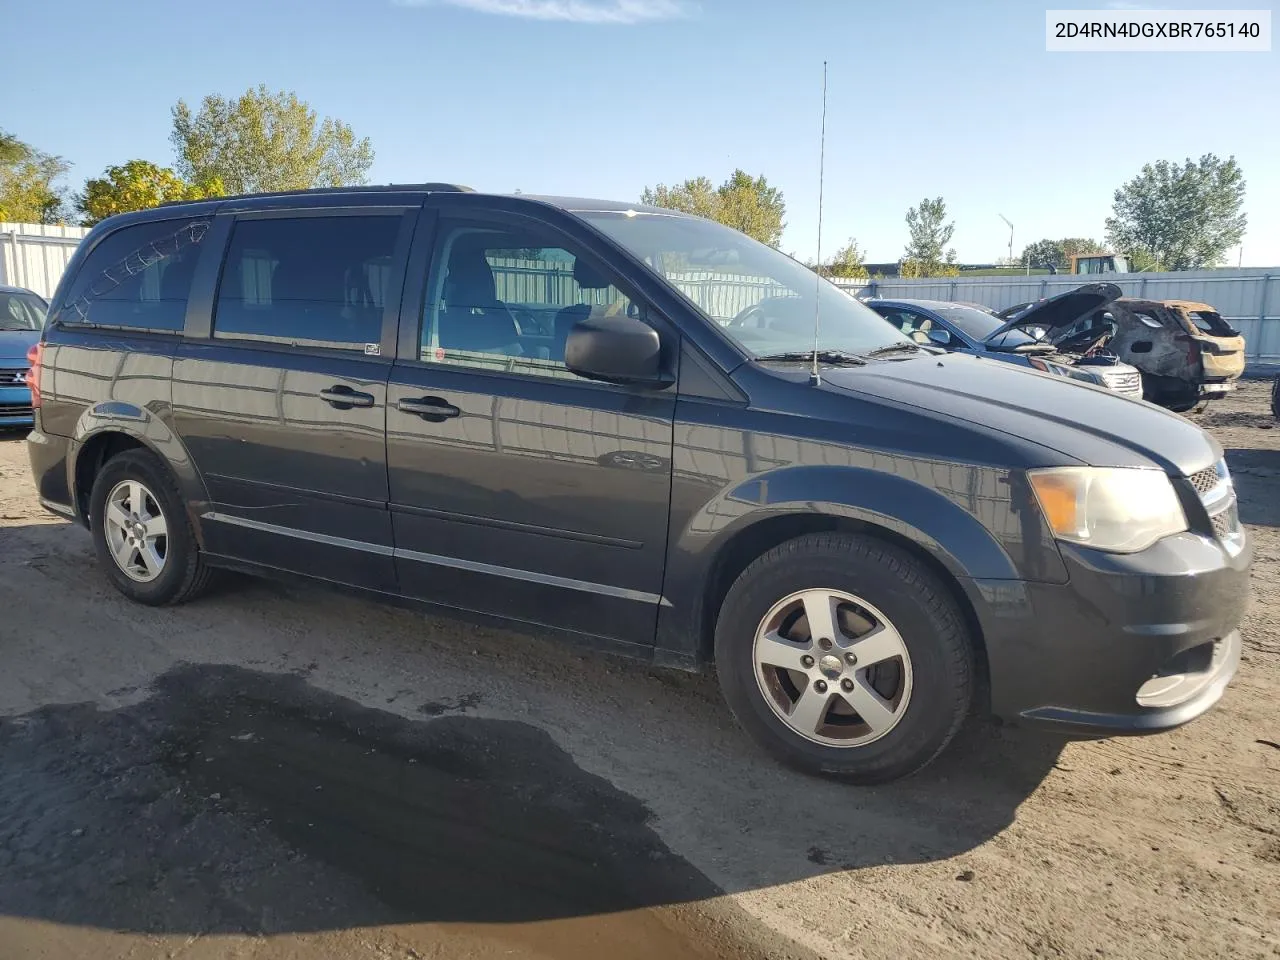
(1186, 351)
(966, 328)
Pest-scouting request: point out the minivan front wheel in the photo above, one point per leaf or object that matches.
(843, 655)
(141, 532)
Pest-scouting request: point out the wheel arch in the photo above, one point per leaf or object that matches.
(109, 429)
(745, 545)
(962, 522)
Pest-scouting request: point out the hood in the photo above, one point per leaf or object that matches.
(1091, 425)
(14, 344)
(1063, 310)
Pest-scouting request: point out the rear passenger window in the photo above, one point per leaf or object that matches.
(137, 278)
(307, 281)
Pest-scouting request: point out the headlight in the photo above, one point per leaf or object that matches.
(1072, 373)
(1094, 378)
(1110, 508)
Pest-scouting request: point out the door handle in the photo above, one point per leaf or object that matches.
(344, 398)
(435, 409)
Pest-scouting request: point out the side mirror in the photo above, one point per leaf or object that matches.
(939, 337)
(617, 349)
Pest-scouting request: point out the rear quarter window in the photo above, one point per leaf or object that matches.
(1211, 322)
(137, 278)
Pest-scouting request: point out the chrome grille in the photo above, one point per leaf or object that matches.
(1205, 480)
(1213, 486)
(1226, 523)
(1128, 383)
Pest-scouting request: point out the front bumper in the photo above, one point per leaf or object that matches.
(1131, 644)
(15, 407)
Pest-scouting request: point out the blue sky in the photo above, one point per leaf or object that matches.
(603, 97)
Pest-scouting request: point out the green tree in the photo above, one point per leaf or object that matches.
(752, 206)
(263, 141)
(846, 264)
(697, 197)
(911, 269)
(1182, 216)
(1058, 253)
(29, 189)
(927, 253)
(743, 202)
(137, 185)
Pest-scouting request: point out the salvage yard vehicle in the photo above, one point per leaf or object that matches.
(21, 319)
(1187, 352)
(868, 539)
(963, 328)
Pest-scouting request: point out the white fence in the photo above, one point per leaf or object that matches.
(33, 255)
(1249, 298)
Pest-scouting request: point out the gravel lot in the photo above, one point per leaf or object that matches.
(280, 772)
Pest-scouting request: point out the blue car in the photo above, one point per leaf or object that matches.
(1031, 339)
(22, 316)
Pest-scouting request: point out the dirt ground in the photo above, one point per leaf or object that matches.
(279, 772)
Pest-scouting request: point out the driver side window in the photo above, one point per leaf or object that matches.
(914, 325)
(505, 298)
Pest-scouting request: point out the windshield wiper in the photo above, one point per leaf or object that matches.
(893, 348)
(824, 356)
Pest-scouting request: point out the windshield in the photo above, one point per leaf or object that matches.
(759, 297)
(979, 325)
(21, 311)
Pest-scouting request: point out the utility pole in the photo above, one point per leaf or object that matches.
(1006, 220)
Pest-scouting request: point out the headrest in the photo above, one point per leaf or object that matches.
(470, 281)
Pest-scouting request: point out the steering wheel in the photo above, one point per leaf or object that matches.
(753, 312)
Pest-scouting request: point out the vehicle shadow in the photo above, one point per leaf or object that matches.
(232, 800)
(1256, 474)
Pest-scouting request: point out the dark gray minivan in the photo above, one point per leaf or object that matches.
(606, 420)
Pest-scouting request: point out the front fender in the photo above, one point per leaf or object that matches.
(977, 522)
(150, 429)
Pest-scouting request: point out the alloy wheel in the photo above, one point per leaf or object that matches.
(832, 667)
(136, 531)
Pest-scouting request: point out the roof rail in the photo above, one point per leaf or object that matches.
(361, 188)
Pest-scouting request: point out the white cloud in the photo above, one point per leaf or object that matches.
(572, 11)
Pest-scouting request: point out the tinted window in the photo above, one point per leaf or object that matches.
(138, 277)
(506, 299)
(21, 311)
(311, 281)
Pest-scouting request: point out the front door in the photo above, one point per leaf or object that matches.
(282, 405)
(517, 487)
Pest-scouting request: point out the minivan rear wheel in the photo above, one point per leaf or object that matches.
(142, 534)
(843, 655)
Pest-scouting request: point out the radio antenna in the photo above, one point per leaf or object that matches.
(814, 377)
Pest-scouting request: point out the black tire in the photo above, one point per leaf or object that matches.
(1275, 398)
(925, 615)
(184, 575)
